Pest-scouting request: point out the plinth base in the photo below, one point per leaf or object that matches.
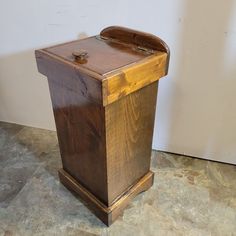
(106, 214)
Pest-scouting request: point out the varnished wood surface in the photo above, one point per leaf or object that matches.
(103, 56)
(79, 117)
(81, 135)
(130, 79)
(104, 111)
(114, 85)
(69, 77)
(106, 214)
(120, 66)
(129, 130)
(139, 38)
(83, 123)
(142, 185)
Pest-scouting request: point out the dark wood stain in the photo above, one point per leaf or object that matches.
(139, 38)
(99, 51)
(105, 139)
(129, 131)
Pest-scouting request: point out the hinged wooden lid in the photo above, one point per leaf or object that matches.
(124, 60)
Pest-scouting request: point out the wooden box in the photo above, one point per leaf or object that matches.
(103, 91)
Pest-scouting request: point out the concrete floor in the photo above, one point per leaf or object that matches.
(189, 196)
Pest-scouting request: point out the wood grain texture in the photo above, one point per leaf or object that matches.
(130, 79)
(118, 207)
(80, 123)
(81, 135)
(129, 131)
(138, 38)
(132, 36)
(104, 112)
(69, 76)
(106, 214)
(103, 55)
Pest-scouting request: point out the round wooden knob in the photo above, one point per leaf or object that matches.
(80, 55)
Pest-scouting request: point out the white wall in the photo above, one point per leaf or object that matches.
(196, 109)
(197, 103)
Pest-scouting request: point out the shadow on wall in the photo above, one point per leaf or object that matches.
(24, 93)
(24, 96)
(202, 113)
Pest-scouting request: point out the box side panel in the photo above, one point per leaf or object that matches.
(80, 123)
(129, 131)
(69, 76)
(81, 135)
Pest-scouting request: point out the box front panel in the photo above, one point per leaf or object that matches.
(129, 131)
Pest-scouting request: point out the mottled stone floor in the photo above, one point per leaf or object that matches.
(189, 196)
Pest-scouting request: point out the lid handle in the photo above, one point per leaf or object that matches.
(80, 54)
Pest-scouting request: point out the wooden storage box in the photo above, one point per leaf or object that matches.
(103, 91)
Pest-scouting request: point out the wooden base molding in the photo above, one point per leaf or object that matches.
(107, 214)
